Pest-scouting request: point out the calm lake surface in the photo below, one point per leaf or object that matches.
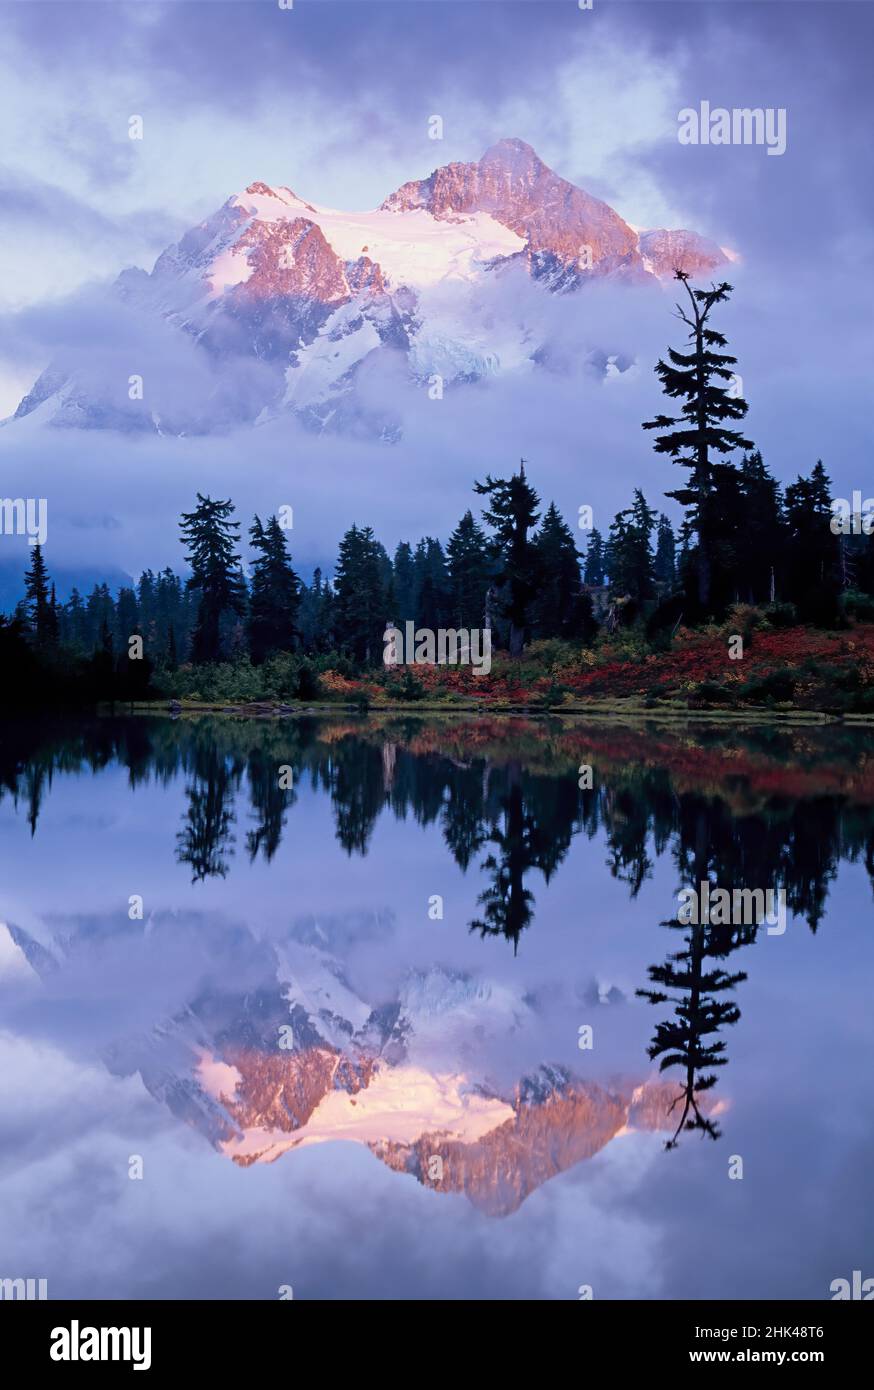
(352, 1005)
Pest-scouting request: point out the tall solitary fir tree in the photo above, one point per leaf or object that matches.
(701, 378)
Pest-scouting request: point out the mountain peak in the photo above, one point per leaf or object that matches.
(279, 193)
(561, 224)
(512, 151)
(310, 294)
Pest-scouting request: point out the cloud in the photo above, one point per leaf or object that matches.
(232, 92)
(581, 434)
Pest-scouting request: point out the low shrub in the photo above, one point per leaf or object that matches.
(775, 687)
(857, 605)
(710, 693)
(780, 615)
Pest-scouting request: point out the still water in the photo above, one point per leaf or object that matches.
(389, 1008)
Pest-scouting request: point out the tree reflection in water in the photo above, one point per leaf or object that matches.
(747, 811)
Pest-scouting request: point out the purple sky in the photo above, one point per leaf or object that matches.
(333, 100)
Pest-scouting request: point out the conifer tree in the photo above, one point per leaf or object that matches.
(725, 514)
(629, 551)
(431, 586)
(216, 576)
(762, 556)
(665, 564)
(404, 584)
(274, 593)
(146, 609)
(813, 549)
(307, 615)
(559, 608)
(54, 627)
(315, 614)
(99, 612)
(360, 595)
(469, 573)
(73, 621)
(127, 617)
(102, 662)
(172, 610)
(38, 590)
(512, 513)
(699, 378)
(594, 571)
(386, 575)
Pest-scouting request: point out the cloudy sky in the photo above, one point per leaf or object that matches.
(333, 99)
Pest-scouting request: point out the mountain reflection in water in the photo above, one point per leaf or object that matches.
(269, 1045)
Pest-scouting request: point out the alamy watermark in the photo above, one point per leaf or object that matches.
(451, 646)
(742, 125)
(852, 518)
(859, 1289)
(28, 516)
(75, 1343)
(723, 907)
(24, 1288)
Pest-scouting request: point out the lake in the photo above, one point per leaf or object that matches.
(396, 1007)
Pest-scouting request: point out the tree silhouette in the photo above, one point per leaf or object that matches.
(216, 576)
(629, 555)
(531, 830)
(470, 573)
(560, 608)
(274, 594)
(594, 571)
(665, 564)
(813, 549)
(206, 840)
(697, 378)
(359, 584)
(699, 1013)
(40, 601)
(270, 801)
(698, 989)
(512, 513)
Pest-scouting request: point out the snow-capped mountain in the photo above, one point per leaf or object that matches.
(277, 305)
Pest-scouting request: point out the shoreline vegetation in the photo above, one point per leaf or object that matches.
(760, 603)
(801, 673)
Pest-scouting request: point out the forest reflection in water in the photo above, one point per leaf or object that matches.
(755, 808)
